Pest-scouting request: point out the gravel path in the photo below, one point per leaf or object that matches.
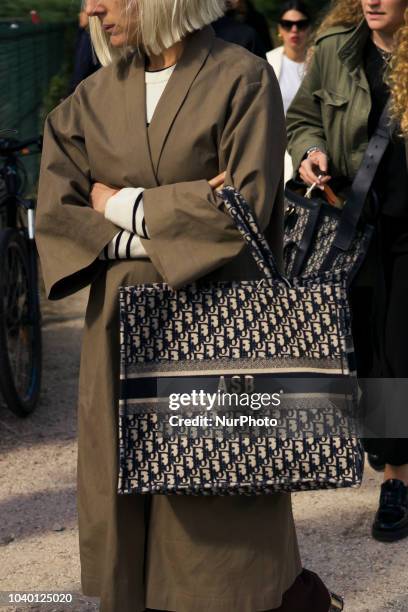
(38, 534)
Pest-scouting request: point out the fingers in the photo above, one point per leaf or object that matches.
(314, 169)
(320, 165)
(306, 172)
(323, 162)
(99, 196)
(97, 188)
(101, 187)
(217, 181)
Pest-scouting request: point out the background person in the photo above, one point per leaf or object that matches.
(130, 164)
(248, 14)
(232, 28)
(85, 60)
(330, 121)
(289, 60)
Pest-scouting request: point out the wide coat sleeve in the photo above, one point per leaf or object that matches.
(190, 235)
(304, 119)
(70, 234)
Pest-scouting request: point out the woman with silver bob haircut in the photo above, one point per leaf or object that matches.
(127, 195)
(160, 24)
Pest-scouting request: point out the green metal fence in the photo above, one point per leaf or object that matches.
(29, 56)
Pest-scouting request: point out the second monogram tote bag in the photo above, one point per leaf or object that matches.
(321, 237)
(290, 337)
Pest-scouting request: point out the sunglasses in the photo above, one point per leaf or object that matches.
(301, 25)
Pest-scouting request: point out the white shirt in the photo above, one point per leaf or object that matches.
(290, 78)
(155, 85)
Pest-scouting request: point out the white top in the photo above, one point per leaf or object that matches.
(289, 82)
(125, 209)
(275, 58)
(290, 78)
(155, 85)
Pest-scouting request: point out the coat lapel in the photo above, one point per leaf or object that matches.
(198, 46)
(135, 105)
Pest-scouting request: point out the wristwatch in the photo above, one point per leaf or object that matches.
(313, 150)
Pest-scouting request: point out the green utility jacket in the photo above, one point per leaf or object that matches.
(332, 106)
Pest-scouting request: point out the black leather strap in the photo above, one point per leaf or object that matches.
(307, 239)
(363, 182)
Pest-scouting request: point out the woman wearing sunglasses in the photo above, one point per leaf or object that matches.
(288, 60)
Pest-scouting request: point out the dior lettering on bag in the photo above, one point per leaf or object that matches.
(273, 331)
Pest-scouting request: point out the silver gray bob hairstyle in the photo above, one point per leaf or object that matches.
(156, 25)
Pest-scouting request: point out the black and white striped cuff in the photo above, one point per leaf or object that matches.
(125, 209)
(125, 245)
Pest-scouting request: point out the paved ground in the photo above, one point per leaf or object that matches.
(38, 535)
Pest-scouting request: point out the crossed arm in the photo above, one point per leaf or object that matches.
(125, 209)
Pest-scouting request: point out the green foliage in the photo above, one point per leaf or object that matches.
(48, 10)
(59, 85)
(57, 91)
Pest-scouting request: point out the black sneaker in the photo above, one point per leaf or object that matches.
(391, 520)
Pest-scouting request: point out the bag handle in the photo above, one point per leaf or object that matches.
(363, 182)
(245, 222)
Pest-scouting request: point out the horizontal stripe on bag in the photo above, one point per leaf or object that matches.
(152, 387)
(245, 371)
(336, 364)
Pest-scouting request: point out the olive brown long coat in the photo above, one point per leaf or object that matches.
(220, 111)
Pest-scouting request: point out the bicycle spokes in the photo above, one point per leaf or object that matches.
(18, 329)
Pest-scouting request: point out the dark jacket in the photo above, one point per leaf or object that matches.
(259, 23)
(241, 34)
(85, 62)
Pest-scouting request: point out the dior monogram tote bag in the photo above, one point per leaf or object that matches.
(272, 338)
(320, 237)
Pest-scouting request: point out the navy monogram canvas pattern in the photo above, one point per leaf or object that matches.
(208, 465)
(298, 221)
(233, 320)
(268, 326)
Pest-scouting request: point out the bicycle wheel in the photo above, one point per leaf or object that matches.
(20, 326)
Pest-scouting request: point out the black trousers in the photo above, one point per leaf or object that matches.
(379, 301)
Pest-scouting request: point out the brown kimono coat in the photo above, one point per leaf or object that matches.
(220, 111)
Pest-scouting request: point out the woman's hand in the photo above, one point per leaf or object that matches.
(100, 194)
(218, 181)
(316, 164)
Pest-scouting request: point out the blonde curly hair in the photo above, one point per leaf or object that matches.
(398, 78)
(349, 13)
